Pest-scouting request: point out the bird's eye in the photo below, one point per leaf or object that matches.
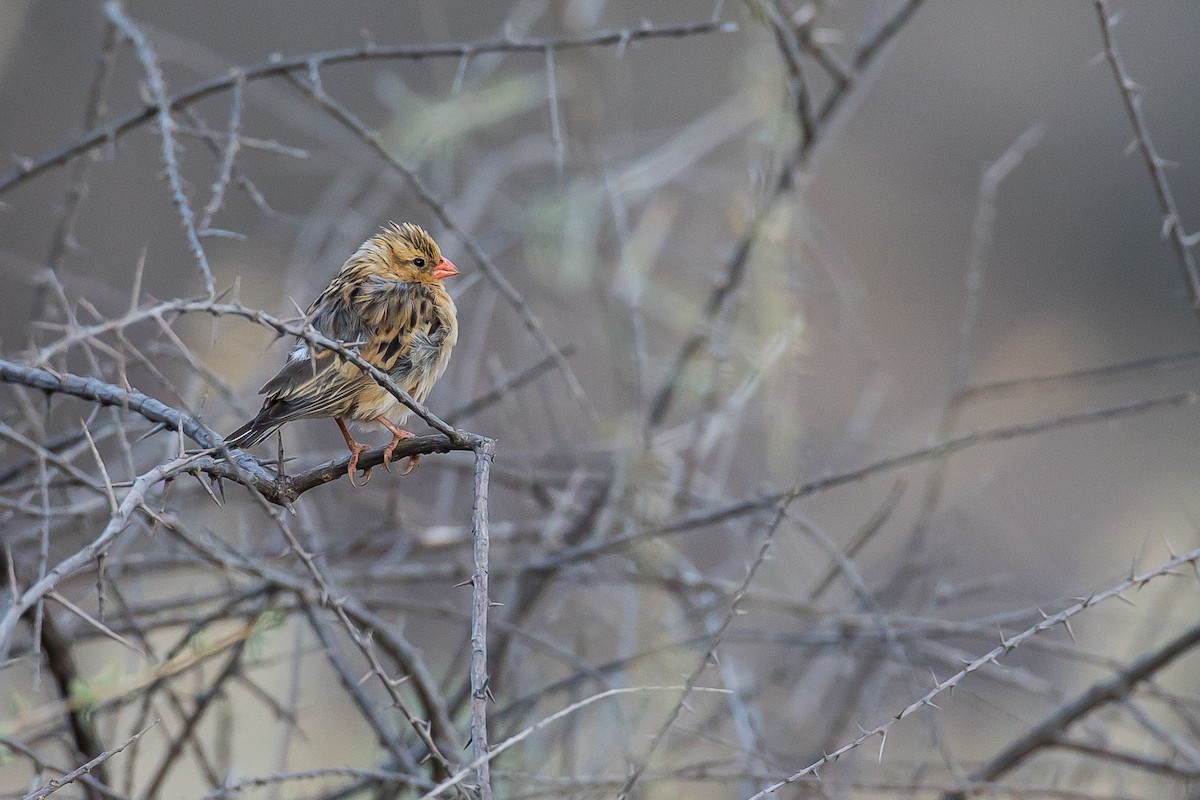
(418, 262)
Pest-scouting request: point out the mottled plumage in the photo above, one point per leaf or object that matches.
(389, 302)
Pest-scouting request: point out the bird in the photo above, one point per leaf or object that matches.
(388, 303)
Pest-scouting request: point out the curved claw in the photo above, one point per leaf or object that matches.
(352, 467)
(412, 464)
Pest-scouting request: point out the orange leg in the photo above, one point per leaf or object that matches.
(356, 448)
(398, 434)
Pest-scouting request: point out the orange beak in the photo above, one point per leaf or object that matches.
(444, 269)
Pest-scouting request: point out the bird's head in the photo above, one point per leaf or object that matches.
(405, 252)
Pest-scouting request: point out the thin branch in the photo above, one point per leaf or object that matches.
(54, 785)
(1172, 226)
(708, 655)
(228, 155)
(166, 127)
(521, 736)
(740, 508)
(1006, 646)
(369, 52)
(1051, 730)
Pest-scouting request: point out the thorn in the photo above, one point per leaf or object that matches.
(208, 489)
(1120, 596)
(156, 428)
(221, 233)
(1170, 549)
(135, 294)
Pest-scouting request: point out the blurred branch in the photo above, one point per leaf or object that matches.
(948, 447)
(275, 67)
(1050, 731)
(796, 160)
(709, 654)
(1006, 646)
(54, 785)
(64, 236)
(1172, 226)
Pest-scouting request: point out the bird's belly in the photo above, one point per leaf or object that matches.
(375, 401)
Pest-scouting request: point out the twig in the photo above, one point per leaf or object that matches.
(1049, 731)
(69, 566)
(371, 52)
(54, 785)
(706, 658)
(1006, 646)
(166, 125)
(228, 155)
(1172, 226)
(64, 235)
(517, 738)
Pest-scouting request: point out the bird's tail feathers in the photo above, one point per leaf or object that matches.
(253, 432)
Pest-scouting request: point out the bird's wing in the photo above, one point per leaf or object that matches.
(382, 318)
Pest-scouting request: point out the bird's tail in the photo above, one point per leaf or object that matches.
(253, 432)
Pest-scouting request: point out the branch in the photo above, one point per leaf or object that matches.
(245, 469)
(1155, 164)
(106, 394)
(1006, 646)
(485, 453)
(57, 783)
(166, 126)
(275, 67)
(1050, 731)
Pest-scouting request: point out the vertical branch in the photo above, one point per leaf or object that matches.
(166, 126)
(485, 453)
(709, 653)
(982, 231)
(228, 154)
(1155, 165)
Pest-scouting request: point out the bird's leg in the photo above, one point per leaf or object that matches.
(355, 449)
(398, 434)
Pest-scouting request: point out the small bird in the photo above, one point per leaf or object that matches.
(388, 302)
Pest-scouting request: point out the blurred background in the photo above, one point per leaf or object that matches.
(614, 186)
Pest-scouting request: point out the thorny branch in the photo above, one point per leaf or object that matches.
(1051, 730)
(1156, 165)
(276, 67)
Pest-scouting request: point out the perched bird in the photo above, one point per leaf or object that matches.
(388, 302)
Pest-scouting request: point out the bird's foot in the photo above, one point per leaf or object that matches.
(356, 449)
(399, 435)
